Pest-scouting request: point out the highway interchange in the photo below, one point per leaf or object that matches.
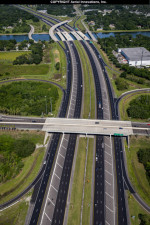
(110, 203)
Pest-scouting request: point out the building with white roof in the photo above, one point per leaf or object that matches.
(139, 56)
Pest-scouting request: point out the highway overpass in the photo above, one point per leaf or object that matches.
(83, 126)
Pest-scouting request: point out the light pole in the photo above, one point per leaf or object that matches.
(51, 104)
(46, 104)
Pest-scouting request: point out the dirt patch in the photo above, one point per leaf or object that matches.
(57, 76)
(114, 76)
(56, 53)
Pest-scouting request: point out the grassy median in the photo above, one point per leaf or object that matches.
(77, 188)
(88, 86)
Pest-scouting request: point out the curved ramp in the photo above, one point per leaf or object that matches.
(51, 30)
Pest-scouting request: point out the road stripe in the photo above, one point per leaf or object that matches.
(108, 162)
(108, 145)
(108, 172)
(51, 201)
(61, 155)
(57, 176)
(54, 188)
(107, 182)
(107, 222)
(59, 165)
(109, 195)
(109, 208)
(108, 153)
(47, 216)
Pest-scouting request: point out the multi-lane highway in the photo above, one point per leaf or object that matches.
(109, 197)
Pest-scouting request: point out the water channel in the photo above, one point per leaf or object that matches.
(46, 37)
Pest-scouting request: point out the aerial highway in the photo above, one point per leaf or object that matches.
(110, 203)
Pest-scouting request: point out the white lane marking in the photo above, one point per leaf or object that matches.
(108, 162)
(61, 155)
(51, 201)
(59, 165)
(63, 147)
(47, 216)
(109, 195)
(107, 222)
(109, 208)
(10, 205)
(107, 182)
(107, 145)
(108, 153)
(65, 139)
(108, 172)
(57, 176)
(54, 188)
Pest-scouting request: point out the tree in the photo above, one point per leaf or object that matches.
(57, 65)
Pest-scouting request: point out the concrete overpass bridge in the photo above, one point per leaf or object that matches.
(83, 126)
(65, 36)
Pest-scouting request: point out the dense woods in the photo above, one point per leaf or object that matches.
(122, 18)
(139, 107)
(27, 98)
(11, 16)
(12, 151)
(57, 9)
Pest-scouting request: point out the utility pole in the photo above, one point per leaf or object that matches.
(46, 105)
(51, 104)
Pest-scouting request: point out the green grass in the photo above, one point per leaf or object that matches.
(124, 104)
(136, 170)
(38, 26)
(88, 184)
(22, 70)
(79, 24)
(77, 188)
(76, 194)
(11, 56)
(16, 214)
(87, 68)
(134, 209)
(32, 165)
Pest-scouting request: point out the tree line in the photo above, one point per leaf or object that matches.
(12, 151)
(34, 57)
(139, 107)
